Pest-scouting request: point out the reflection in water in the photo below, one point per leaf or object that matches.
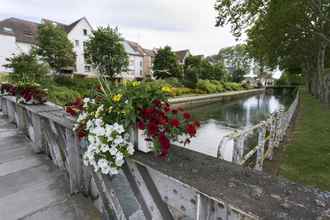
(220, 119)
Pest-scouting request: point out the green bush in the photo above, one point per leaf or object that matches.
(61, 95)
(27, 69)
(219, 85)
(84, 86)
(182, 91)
(231, 86)
(207, 86)
(175, 82)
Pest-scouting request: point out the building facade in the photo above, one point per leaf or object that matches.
(18, 36)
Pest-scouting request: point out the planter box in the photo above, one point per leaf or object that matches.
(137, 137)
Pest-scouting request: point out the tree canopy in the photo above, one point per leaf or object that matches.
(165, 64)
(27, 68)
(54, 47)
(291, 34)
(105, 50)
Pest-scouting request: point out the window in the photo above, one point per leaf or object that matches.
(85, 32)
(8, 29)
(28, 33)
(141, 63)
(77, 43)
(140, 72)
(87, 69)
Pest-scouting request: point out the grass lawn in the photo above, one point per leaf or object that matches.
(306, 157)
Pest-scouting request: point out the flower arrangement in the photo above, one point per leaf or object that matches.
(107, 122)
(7, 89)
(31, 94)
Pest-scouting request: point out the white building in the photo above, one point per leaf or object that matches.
(18, 36)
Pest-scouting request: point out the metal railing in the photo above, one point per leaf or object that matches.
(269, 135)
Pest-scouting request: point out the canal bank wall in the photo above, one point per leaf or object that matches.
(200, 100)
(189, 185)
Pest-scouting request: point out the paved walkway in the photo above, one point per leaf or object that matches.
(31, 187)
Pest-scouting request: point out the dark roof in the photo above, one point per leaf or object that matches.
(26, 31)
(181, 54)
(136, 47)
(149, 52)
(66, 27)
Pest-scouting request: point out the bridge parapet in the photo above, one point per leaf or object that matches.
(188, 186)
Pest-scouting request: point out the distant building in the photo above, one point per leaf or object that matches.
(18, 36)
(181, 56)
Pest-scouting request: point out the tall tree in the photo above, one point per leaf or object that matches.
(165, 64)
(54, 47)
(237, 60)
(288, 33)
(105, 50)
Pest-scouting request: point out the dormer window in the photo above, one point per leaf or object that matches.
(85, 32)
(77, 43)
(8, 29)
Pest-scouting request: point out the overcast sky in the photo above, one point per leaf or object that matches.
(182, 24)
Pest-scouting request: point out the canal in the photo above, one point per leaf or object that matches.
(222, 118)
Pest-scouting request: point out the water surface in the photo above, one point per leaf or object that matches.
(221, 118)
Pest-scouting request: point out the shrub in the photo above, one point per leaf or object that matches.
(207, 86)
(219, 85)
(182, 91)
(27, 69)
(175, 82)
(61, 95)
(231, 86)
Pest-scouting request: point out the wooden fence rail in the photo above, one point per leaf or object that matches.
(269, 134)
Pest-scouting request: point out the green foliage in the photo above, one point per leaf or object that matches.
(85, 86)
(54, 47)
(307, 155)
(231, 86)
(206, 85)
(106, 52)
(292, 79)
(62, 95)
(165, 64)
(27, 69)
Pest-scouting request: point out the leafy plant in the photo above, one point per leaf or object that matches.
(105, 50)
(165, 64)
(54, 47)
(27, 69)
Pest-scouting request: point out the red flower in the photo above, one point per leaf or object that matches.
(167, 109)
(152, 129)
(82, 134)
(141, 125)
(165, 145)
(70, 110)
(157, 102)
(174, 111)
(163, 121)
(147, 112)
(175, 122)
(187, 115)
(191, 130)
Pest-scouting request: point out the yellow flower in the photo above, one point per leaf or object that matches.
(110, 109)
(167, 89)
(117, 98)
(135, 83)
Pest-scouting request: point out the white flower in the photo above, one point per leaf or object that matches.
(99, 111)
(89, 124)
(104, 166)
(119, 156)
(119, 162)
(86, 100)
(113, 150)
(91, 139)
(118, 140)
(82, 117)
(98, 122)
(104, 148)
(130, 149)
(98, 131)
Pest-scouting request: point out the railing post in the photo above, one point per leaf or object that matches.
(272, 134)
(261, 147)
(238, 148)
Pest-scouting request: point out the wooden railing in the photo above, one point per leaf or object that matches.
(269, 135)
